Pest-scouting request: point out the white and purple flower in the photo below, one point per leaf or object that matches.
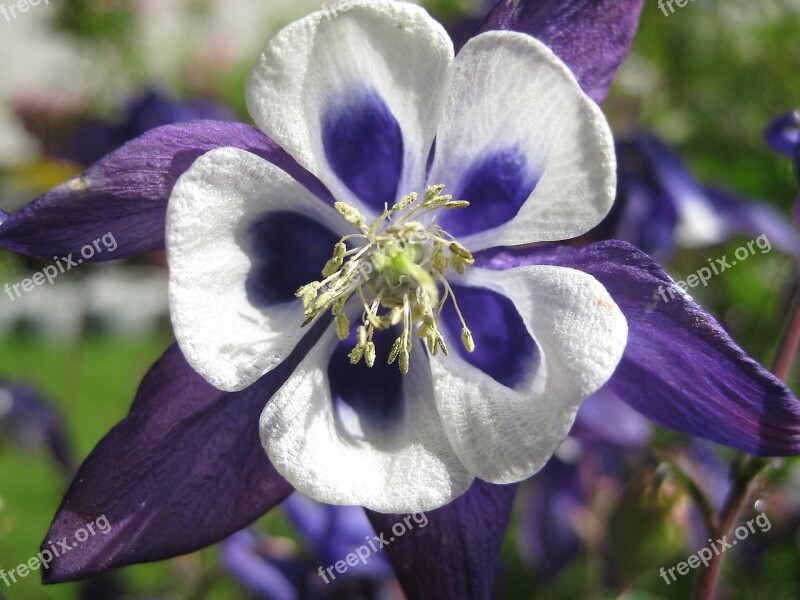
(349, 108)
(358, 99)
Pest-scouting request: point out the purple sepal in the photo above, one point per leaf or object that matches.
(126, 192)
(183, 470)
(680, 368)
(455, 556)
(591, 36)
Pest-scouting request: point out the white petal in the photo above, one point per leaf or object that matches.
(504, 435)
(224, 336)
(391, 48)
(330, 458)
(511, 93)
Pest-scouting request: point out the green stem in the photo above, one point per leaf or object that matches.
(746, 468)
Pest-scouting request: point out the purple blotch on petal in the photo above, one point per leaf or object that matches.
(496, 185)
(364, 147)
(374, 393)
(504, 349)
(287, 250)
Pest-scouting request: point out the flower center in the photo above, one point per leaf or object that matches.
(396, 270)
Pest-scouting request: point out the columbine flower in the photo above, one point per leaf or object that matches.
(94, 138)
(186, 468)
(28, 420)
(660, 206)
(278, 568)
(492, 365)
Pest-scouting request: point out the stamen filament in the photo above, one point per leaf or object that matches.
(397, 269)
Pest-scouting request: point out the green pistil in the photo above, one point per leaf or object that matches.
(394, 274)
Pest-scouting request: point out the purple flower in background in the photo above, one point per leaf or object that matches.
(152, 108)
(186, 467)
(276, 569)
(553, 504)
(660, 207)
(30, 422)
(783, 136)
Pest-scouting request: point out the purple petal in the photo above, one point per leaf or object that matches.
(680, 368)
(364, 146)
(591, 36)
(496, 187)
(375, 393)
(455, 556)
(287, 250)
(183, 470)
(126, 192)
(783, 134)
(503, 348)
